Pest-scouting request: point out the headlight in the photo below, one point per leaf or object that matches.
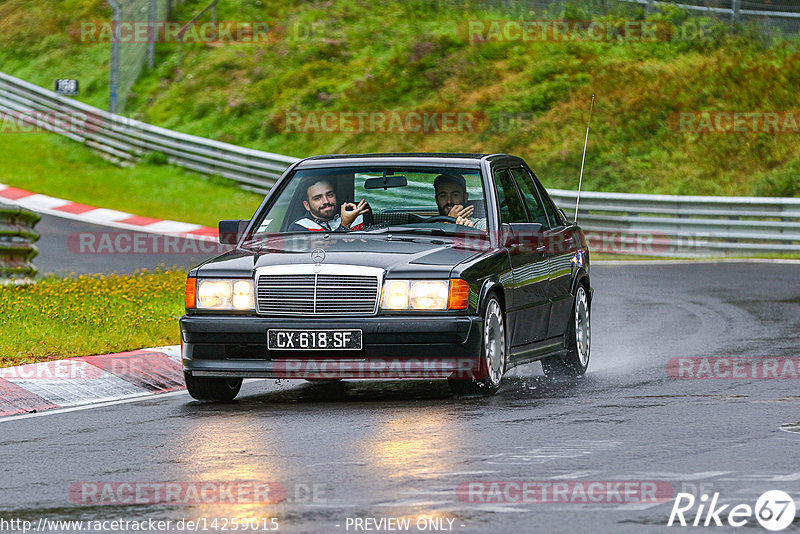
(425, 295)
(218, 294)
(395, 295)
(428, 295)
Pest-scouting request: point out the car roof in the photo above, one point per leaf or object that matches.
(402, 158)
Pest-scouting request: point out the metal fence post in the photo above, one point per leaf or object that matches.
(113, 74)
(151, 34)
(735, 8)
(214, 19)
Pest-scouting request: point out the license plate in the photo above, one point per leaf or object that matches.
(314, 339)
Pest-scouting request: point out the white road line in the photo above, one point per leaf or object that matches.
(56, 411)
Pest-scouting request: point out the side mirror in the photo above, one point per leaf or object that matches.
(523, 237)
(231, 230)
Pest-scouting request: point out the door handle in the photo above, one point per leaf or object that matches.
(541, 249)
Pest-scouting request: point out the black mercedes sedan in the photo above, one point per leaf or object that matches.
(392, 266)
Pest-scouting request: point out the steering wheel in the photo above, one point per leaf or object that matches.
(440, 218)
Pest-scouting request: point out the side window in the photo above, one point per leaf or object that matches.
(511, 208)
(536, 211)
(550, 208)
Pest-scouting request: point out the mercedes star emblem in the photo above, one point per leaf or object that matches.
(318, 256)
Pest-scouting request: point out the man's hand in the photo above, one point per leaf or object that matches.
(463, 221)
(460, 211)
(348, 217)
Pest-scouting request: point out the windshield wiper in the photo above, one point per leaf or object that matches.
(416, 230)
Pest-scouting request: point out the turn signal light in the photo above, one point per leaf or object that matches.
(190, 295)
(459, 294)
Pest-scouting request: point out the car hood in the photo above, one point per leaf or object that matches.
(400, 255)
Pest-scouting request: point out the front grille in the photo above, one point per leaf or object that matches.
(317, 294)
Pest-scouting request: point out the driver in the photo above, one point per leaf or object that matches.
(451, 197)
(323, 215)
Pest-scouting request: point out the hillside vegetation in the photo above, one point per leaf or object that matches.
(416, 56)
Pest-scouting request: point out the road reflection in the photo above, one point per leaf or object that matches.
(232, 453)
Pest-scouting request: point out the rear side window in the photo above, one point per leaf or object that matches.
(508, 199)
(530, 196)
(553, 214)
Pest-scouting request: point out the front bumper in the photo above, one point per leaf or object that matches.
(392, 347)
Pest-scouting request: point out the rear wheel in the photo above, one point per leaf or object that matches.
(493, 354)
(212, 389)
(578, 342)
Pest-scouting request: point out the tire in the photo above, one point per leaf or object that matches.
(212, 389)
(578, 342)
(494, 354)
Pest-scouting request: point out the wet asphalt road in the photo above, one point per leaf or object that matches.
(380, 450)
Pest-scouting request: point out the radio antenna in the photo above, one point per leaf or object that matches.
(585, 143)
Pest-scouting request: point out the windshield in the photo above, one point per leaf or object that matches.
(439, 201)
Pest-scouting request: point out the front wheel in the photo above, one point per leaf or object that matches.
(493, 354)
(578, 342)
(212, 389)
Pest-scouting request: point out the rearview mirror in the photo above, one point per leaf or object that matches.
(385, 182)
(231, 230)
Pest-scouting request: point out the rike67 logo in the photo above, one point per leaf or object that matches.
(774, 510)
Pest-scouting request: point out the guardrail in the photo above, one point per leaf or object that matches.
(124, 141)
(17, 238)
(737, 9)
(673, 225)
(663, 225)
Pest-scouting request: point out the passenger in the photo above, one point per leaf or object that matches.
(324, 213)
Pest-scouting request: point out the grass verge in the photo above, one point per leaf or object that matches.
(57, 166)
(86, 315)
